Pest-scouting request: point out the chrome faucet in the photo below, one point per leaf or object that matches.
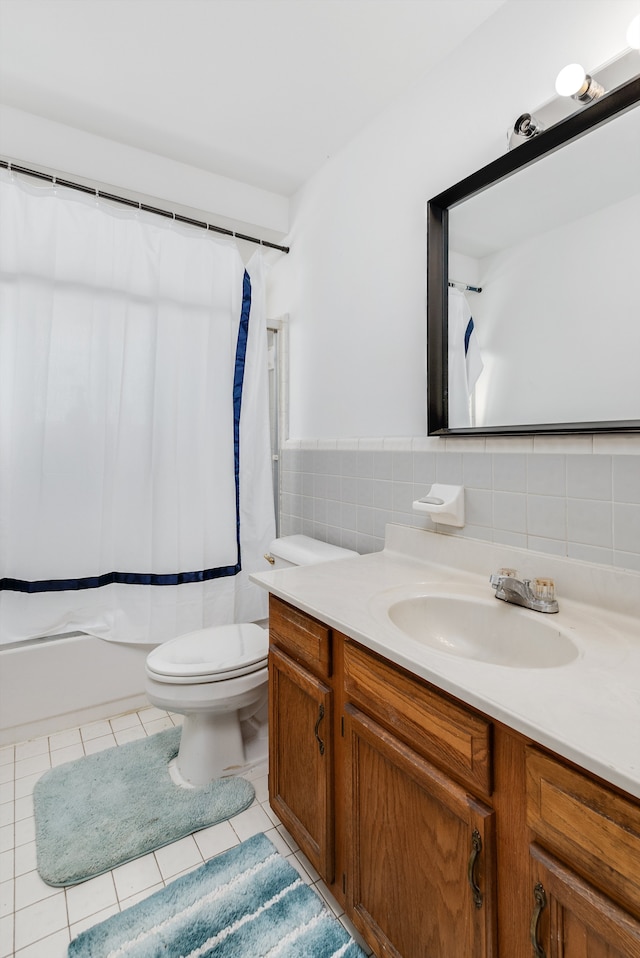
(539, 595)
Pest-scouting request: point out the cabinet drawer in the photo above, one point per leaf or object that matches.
(305, 639)
(457, 740)
(593, 828)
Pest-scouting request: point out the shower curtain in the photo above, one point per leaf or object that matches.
(135, 472)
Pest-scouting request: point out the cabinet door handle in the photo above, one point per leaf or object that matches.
(476, 848)
(315, 731)
(540, 897)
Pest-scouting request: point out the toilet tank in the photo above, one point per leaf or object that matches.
(303, 550)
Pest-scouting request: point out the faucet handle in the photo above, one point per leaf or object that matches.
(496, 577)
(544, 589)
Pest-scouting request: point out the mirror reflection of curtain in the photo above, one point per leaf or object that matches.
(465, 361)
(135, 473)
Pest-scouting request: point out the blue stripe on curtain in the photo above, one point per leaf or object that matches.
(178, 578)
(467, 335)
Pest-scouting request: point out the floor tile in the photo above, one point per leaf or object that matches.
(30, 888)
(7, 773)
(7, 906)
(53, 946)
(136, 876)
(178, 856)
(140, 896)
(151, 714)
(6, 937)
(120, 722)
(40, 920)
(90, 897)
(64, 739)
(24, 786)
(25, 858)
(79, 926)
(130, 734)
(31, 766)
(7, 790)
(215, 839)
(159, 725)
(7, 864)
(67, 754)
(24, 808)
(7, 754)
(37, 746)
(299, 867)
(324, 893)
(25, 831)
(99, 744)
(261, 786)
(95, 730)
(274, 836)
(6, 838)
(250, 822)
(289, 839)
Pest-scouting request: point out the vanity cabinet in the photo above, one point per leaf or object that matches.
(442, 832)
(301, 733)
(585, 864)
(421, 869)
(421, 866)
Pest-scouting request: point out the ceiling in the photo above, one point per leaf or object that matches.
(263, 91)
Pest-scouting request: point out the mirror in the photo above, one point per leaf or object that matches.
(550, 234)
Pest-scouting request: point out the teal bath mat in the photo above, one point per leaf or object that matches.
(246, 903)
(109, 808)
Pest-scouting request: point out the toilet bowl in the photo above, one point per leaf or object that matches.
(217, 679)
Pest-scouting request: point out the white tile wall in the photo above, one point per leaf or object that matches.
(580, 499)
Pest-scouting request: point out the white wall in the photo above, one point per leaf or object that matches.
(32, 140)
(354, 284)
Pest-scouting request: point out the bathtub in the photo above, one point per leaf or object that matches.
(59, 682)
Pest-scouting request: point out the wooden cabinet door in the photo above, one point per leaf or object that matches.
(421, 881)
(301, 758)
(571, 919)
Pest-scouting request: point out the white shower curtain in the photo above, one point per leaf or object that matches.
(135, 473)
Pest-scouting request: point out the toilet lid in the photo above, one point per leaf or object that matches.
(222, 651)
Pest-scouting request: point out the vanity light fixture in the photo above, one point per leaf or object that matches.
(573, 81)
(633, 33)
(527, 126)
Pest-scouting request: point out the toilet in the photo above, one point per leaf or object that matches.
(217, 678)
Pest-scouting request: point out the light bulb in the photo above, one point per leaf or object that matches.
(633, 33)
(574, 82)
(570, 80)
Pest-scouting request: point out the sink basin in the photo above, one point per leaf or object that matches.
(485, 630)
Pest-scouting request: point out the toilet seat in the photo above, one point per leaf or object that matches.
(210, 655)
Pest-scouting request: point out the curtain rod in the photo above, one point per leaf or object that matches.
(465, 286)
(58, 181)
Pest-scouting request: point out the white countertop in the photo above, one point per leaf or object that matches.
(587, 710)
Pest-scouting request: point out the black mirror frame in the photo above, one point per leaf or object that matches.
(612, 104)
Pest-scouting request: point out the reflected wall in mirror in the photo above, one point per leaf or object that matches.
(551, 234)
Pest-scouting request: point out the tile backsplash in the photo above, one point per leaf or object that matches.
(562, 497)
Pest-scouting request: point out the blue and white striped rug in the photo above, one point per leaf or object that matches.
(246, 903)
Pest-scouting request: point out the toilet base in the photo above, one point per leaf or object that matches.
(188, 770)
(211, 745)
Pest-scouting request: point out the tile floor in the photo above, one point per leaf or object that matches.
(37, 920)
